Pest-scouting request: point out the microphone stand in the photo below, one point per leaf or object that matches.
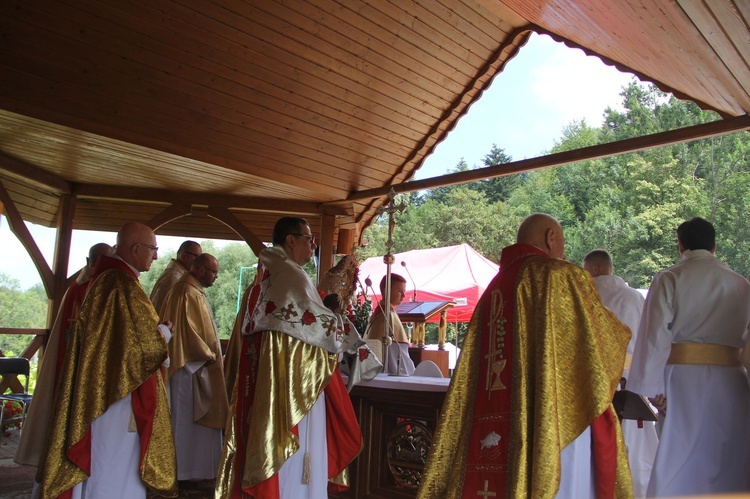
(413, 282)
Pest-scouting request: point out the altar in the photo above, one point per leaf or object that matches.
(398, 417)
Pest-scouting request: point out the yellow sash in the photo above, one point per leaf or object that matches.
(704, 353)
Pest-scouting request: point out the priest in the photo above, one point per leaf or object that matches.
(31, 442)
(292, 430)
(529, 409)
(177, 267)
(110, 434)
(196, 374)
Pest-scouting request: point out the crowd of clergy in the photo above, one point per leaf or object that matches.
(135, 395)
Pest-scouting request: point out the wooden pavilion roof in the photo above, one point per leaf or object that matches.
(146, 110)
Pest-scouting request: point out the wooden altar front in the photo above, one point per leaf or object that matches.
(398, 417)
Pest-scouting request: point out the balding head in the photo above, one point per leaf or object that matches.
(544, 232)
(598, 262)
(136, 245)
(187, 252)
(205, 269)
(96, 250)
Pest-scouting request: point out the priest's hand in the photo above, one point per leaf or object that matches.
(660, 402)
(169, 325)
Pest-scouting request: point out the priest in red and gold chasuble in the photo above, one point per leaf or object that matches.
(288, 366)
(115, 351)
(540, 363)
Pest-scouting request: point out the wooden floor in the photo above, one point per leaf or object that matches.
(16, 480)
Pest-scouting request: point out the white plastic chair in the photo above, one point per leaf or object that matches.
(428, 368)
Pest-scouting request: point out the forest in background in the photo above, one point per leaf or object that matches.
(630, 205)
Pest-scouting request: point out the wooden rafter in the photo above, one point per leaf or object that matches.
(18, 227)
(686, 134)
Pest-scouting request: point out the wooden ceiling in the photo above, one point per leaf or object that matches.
(269, 107)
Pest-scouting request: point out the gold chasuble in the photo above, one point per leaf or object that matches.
(540, 363)
(289, 356)
(115, 350)
(195, 339)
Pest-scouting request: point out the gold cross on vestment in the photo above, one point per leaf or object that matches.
(486, 492)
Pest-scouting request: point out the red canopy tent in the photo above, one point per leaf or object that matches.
(456, 273)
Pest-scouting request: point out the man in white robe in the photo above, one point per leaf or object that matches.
(695, 321)
(627, 304)
(196, 375)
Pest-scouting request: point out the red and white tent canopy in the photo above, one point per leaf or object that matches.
(456, 273)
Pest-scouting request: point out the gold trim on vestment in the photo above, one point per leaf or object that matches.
(569, 354)
(291, 375)
(628, 361)
(704, 354)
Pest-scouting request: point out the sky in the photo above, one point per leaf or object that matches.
(543, 89)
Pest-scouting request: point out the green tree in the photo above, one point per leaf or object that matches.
(20, 309)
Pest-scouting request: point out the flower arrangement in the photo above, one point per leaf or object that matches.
(11, 414)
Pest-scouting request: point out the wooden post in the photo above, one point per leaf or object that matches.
(65, 216)
(327, 226)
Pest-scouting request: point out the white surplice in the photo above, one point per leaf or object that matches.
(198, 447)
(115, 457)
(641, 439)
(703, 443)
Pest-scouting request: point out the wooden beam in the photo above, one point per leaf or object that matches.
(27, 171)
(18, 227)
(173, 212)
(671, 137)
(227, 217)
(268, 205)
(23, 330)
(327, 227)
(65, 214)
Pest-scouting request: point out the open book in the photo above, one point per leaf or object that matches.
(630, 405)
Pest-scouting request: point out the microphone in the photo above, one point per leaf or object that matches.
(414, 298)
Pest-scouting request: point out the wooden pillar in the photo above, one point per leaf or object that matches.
(65, 216)
(327, 227)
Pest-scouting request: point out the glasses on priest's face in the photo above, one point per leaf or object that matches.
(213, 272)
(310, 238)
(153, 248)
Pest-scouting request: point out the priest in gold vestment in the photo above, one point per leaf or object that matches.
(196, 374)
(110, 434)
(292, 430)
(177, 267)
(529, 409)
(31, 442)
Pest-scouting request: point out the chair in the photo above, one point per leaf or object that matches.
(16, 366)
(428, 368)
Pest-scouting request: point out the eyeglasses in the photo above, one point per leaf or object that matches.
(153, 248)
(308, 237)
(214, 272)
(196, 255)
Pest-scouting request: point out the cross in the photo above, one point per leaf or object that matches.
(391, 209)
(486, 492)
